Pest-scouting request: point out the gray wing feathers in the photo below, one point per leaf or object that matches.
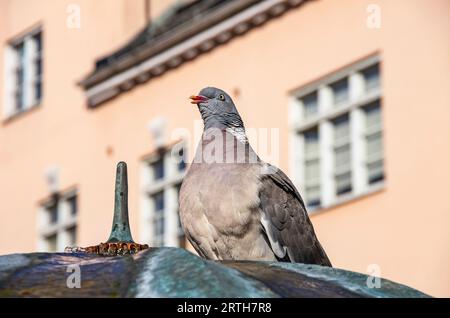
(286, 223)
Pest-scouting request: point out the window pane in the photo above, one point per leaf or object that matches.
(72, 234)
(371, 77)
(51, 242)
(72, 202)
(38, 68)
(182, 163)
(19, 101)
(38, 91)
(373, 115)
(158, 228)
(310, 105)
(374, 145)
(340, 91)
(342, 154)
(343, 183)
(311, 143)
(53, 213)
(158, 201)
(311, 171)
(341, 129)
(312, 168)
(375, 171)
(158, 169)
(37, 38)
(19, 73)
(158, 218)
(312, 195)
(342, 157)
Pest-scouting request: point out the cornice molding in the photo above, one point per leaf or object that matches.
(133, 70)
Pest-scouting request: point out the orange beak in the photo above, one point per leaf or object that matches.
(196, 99)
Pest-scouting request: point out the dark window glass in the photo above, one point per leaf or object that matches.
(158, 169)
(72, 231)
(20, 83)
(314, 203)
(372, 77)
(72, 201)
(310, 105)
(53, 213)
(182, 162)
(38, 41)
(38, 68)
(51, 241)
(340, 91)
(158, 200)
(38, 91)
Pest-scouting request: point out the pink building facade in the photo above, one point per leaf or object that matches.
(354, 96)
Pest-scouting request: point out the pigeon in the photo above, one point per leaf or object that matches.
(233, 205)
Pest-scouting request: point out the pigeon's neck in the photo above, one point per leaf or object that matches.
(239, 133)
(225, 146)
(232, 123)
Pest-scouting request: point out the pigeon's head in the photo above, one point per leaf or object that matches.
(217, 109)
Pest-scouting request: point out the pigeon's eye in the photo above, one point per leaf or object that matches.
(221, 97)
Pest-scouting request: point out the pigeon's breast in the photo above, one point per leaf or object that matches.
(223, 196)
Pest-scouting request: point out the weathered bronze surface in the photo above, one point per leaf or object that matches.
(120, 241)
(175, 272)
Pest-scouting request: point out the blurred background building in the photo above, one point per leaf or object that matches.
(357, 92)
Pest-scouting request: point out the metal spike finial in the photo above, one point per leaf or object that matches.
(120, 231)
(120, 241)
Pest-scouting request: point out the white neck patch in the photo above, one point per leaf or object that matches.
(239, 133)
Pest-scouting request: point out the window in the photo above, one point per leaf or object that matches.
(340, 92)
(37, 79)
(162, 174)
(182, 163)
(341, 155)
(312, 167)
(158, 218)
(72, 203)
(309, 105)
(158, 169)
(338, 137)
(52, 211)
(371, 78)
(19, 93)
(24, 69)
(58, 223)
(374, 147)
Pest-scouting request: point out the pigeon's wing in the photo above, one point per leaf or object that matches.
(285, 223)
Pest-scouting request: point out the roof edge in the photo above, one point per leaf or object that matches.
(170, 52)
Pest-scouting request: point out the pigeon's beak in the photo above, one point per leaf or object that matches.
(196, 99)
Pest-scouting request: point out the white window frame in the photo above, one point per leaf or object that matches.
(172, 178)
(65, 222)
(30, 78)
(358, 98)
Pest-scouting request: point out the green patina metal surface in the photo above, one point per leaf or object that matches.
(356, 282)
(120, 231)
(174, 272)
